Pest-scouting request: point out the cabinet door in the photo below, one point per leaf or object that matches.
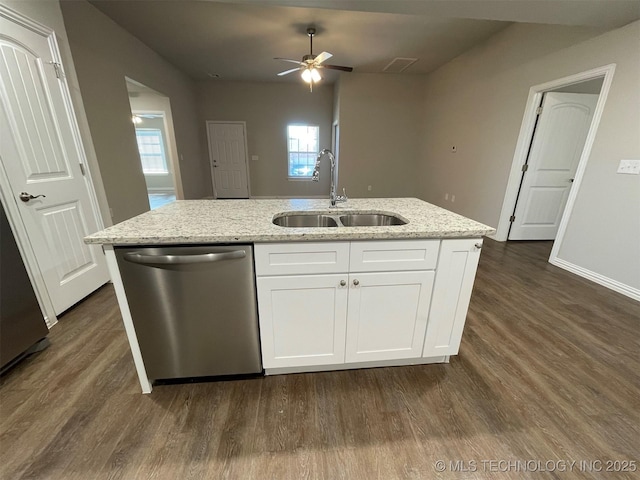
(387, 315)
(302, 319)
(457, 265)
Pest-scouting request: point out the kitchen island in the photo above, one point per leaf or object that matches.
(329, 297)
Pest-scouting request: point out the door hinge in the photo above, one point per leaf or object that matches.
(58, 69)
(538, 110)
(82, 169)
(512, 218)
(525, 167)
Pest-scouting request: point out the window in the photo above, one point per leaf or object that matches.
(151, 148)
(302, 145)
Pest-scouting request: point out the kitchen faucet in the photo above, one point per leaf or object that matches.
(334, 177)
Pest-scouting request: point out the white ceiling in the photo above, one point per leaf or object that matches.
(238, 39)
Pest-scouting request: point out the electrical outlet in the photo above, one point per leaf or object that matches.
(369, 188)
(629, 167)
(446, 196)
(453, 198)
(454, 149)
(254, 158)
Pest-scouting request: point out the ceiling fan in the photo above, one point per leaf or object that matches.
(311, 64)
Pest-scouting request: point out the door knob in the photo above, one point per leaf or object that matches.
(25, 197)
(571, 180)
(342, 283)
(356, 282)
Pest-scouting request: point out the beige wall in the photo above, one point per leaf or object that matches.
(104, 54)
(603, 234)
(268, 108)
(380, 118)
(477, 101)
(48, 13)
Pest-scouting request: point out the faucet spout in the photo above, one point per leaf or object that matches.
(333, 198)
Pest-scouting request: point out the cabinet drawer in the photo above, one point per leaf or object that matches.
(393, 255)
(301, 258)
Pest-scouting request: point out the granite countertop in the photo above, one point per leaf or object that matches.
(231, 221)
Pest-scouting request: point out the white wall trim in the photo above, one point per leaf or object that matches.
(164, 103)
(246, 154)
(23, 21)
(631, 292)
(524, 139)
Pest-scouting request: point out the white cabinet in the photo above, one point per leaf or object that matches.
(330, 316)
(393, 255)
(457, 265)
(376, 302)
(302, 319)
(387, 315)
(301, 258)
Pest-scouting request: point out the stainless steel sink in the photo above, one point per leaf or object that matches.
(370, 220)
(305, 221)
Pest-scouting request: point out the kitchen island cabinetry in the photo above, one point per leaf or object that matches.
(457, 265)
(373, 305)
(329, 297)
(387, 315)
(302, 319)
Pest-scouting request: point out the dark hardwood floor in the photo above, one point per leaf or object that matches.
(548, 371)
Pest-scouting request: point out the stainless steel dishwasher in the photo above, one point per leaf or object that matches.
(194, 309)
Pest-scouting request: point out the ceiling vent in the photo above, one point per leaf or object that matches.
(399, 65)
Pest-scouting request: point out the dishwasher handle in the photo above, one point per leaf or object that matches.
(143, 259)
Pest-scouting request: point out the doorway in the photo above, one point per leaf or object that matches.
(151, 116)
(46, 187)
(524, 176)
(228, 158)
(562, 123)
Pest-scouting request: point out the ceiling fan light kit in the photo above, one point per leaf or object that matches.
(311, 64)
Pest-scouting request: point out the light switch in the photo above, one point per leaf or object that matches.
(629, 167)
(254, 158)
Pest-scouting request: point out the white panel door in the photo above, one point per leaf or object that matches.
(227, 152)
(457, 265)
(387, 315)
(302, 319)
(41, 156)
(555, 152)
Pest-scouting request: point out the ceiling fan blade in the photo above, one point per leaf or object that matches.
(322, 57)
(337, 67)
(287, 72)
(288, 60)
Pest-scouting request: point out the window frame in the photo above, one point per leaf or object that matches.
(304, 178)
(149, 132)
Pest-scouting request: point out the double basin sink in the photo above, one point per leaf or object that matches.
(297, 220)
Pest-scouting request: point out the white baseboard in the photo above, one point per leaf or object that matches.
(597, 278)
(50, 321)
(494, 236)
